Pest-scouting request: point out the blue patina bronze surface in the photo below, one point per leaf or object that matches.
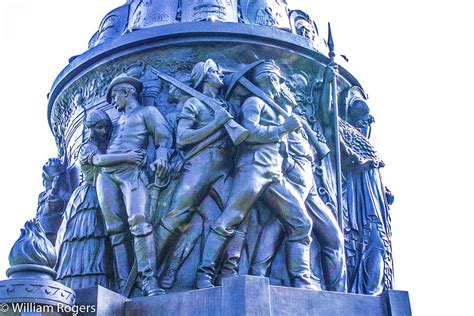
(200, 141)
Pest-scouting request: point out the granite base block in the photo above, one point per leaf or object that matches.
(100, 301)
(247, 295)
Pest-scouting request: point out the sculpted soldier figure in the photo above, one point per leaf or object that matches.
(258, 174)
(122, 189)
(177, 98)
(209, 154)
(187, 241)
(205, 209)
(298, 171)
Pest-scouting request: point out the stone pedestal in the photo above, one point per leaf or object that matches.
(247, 295)
(100, 301)
(31, 290)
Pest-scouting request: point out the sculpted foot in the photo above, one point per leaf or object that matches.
(168, 280)
(304, 285)
(151, 288)
(203, 282)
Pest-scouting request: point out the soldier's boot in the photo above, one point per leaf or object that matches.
(145, 254)
(175, 260)
(268, 242)
(333, 263)
(122, 255)
(169, 274)
(261, 266)
(232, 254)
(297, 261)
(212, 251)
(163, 239)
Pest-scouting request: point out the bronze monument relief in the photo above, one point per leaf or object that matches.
(201, 143)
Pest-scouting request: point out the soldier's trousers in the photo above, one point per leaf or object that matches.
(252, 182)
(123, 197)
(207, 170)
(200, 174)
(325, 229)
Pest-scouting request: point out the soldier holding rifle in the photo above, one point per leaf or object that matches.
(258, 175)
(205, 133)
(299, 174)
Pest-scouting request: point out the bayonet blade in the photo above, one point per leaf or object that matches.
(330, 43)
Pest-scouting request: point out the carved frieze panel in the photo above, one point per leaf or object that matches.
(302, 24)
(149, 13)
(209, 10)
(265, 12)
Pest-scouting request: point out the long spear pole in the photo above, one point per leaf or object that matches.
(337, 143)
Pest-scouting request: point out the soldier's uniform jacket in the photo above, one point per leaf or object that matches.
(264, 146)
(132, 131)
(299, 147)
(201, 115)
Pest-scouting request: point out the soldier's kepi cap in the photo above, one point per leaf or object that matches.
(123, 78)
(200, 70)
(268, 67)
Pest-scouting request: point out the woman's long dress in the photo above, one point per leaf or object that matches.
(84, 253)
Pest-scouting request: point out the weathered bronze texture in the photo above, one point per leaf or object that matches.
(202, 140)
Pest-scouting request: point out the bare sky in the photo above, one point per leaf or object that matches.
(414, 59)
